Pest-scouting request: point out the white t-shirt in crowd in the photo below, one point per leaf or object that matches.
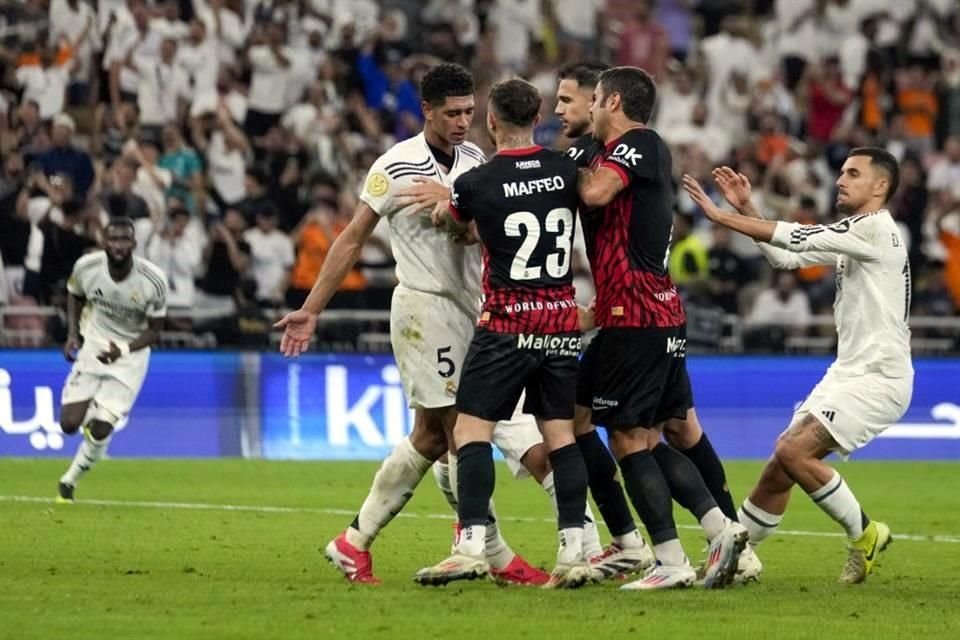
(272, 257)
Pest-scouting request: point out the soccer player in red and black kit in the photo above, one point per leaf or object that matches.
(628, 552)
(523, 205)
(638, 379)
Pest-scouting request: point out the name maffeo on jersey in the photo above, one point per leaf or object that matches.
(530, 187)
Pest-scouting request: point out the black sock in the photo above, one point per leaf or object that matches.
(570, 482)
(686, 485)
(707, 462)
(606, 491)
(650, 495)
(475, 479)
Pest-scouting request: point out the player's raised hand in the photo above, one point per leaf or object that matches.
(735, 187)
(298, 328)
(699, 196)
(425, 194)
(70, 348)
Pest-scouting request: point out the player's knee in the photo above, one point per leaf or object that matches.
(70, 424)
(430, 444)
(683, 433)
(100, 430)
(788, 455)
(582, 421)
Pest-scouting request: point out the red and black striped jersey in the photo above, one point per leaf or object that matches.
(630, 238)
(524, 203)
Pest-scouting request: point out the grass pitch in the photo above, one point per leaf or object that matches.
(169, 552)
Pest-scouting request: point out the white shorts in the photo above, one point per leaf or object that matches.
(430, 335)
(516, 436)
(855, 410)
(113, 388)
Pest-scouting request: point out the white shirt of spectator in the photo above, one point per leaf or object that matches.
(723, 54)
(179, 259)
(175, 29)
(269, 80)
(427, 260)
(200, 62)
(64, 21)
(578, 18)
(152, 193)
(226, 168)
(516, 23)
(272, 257)
(160, 88)
(944, 175)
(122, 42)
(206, 101)
(233, 33)
(47, 86)
(771, 309)
(872, 305)
(118, 311)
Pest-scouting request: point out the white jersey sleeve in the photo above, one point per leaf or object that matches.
(379, 188)
(783, 259)
(854, 237)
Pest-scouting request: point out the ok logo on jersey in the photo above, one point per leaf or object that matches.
(626, 153)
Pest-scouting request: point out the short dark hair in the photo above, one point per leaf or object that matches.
(886, 162)
(443, 81)
(515, 101)
(638, 92)
(586, 73)
(122, 221)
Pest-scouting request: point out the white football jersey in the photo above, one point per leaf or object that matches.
(117, 311)
(427, 260)
(872, 306)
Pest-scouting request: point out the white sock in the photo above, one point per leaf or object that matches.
(591, 536)
(670, 553)
(471, 540)
(838, 502)
(88, 453)
(393, 486)
(571, 546)
(759, 524)
(630, 540)
(441, 473)
(713, 522)
(497, 551)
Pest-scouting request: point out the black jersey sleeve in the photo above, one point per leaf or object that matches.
(635, 155)
(462, 196)
(584, 149)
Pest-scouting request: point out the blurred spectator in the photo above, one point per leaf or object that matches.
(64, 242)
(700, 132)
(64, 157)
(271, 253)
(43, 77)
(270, 62)
(162, 89)
(226, 258)
(688, 262)
(227, 154)
(643, 42)
(828, 97)
(515, 24)
(909, 204)
(313, 237)
(917, 101)
(945, 172)
(780, 311)
(729, 273)
(118, 198)
(948, 96)
(176, 252)
(76, 21)
(184, 164)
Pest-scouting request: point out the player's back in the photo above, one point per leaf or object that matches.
(427, 260)
(630, 242)
(524, 203)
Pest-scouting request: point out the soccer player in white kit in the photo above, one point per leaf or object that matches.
(433, 314)
(869, 386)
(115, 310)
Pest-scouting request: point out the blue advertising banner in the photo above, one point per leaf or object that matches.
(352, 406)
(188, 407)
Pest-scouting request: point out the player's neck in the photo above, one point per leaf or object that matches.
(619, 128)
(507, 140)
(119, 273)
(870, 207)
(436, 141)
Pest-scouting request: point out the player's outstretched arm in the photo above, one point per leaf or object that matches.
(425, 193)
(759, 230)
(298, 326)
(75, 305)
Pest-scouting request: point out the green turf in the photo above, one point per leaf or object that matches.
(105, 571)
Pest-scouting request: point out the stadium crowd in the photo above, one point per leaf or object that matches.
(237, 133)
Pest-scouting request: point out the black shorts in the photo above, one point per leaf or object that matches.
(500, 366)
(633, 377)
